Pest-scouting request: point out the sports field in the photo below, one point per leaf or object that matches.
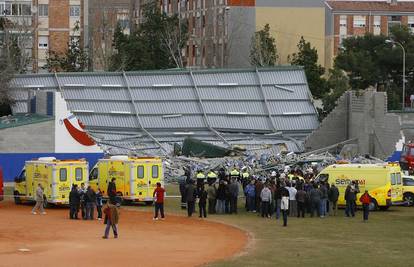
(386, 240)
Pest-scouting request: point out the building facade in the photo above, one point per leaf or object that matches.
(356, 18)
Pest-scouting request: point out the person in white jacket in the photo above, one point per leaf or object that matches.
(266, 197)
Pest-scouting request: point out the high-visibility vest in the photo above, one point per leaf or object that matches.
(211, 175)
(200, 175)
(246, 175)
(234, 173)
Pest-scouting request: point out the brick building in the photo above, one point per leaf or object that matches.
(355, 18)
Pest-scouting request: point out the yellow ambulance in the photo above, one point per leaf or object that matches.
(55, 176)
(136, 177)
(383, 182)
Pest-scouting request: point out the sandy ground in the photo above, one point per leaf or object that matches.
(54, 240)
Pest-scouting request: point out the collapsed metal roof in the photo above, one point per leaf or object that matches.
(152, 110)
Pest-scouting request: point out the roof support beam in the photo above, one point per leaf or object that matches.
(57, 82)
(265, 101)
(195, 87)
(138, 117)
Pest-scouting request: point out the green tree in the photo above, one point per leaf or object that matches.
(263, 51)
(75, 59)
(337, 84)
(307, 56)
(157, 43)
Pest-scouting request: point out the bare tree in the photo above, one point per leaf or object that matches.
(174, 36)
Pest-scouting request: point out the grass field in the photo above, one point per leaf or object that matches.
(386, 240)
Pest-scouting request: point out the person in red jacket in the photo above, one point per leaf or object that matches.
(159, 201)
(365, 199)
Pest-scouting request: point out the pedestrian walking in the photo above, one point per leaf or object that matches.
(202, 202)
(90, 201)
(333, 196)
(99, 203)
(39, 200)
(111, 219)
(365, 199)
(284, 203)
(158, 194)
(266, 198)
(190, 193)
(74, 202)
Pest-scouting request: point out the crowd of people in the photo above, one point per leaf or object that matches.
(287, 193)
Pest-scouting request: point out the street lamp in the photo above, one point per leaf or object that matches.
(389, 41)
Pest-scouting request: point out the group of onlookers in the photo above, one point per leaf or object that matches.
(85, 200)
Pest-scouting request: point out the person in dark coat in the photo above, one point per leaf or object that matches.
(301, 201)
(333, 196)
(234, 194)
(182, 185)
(99, 203)
(82, 192)
(202, 203)
(350, 197)
(315, 200)
(190, 194)
(221, 198)
(111, 191)
(74, 202)
(90, 201)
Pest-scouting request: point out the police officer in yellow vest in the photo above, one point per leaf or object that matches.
(235, 174)
(245, 178)
(200, 178)
(211, 177)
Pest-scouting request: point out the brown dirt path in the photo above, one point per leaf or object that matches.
(54, 240)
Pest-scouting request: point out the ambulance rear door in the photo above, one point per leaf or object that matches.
(142, 181)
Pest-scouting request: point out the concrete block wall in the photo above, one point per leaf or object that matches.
(32, 138)
(333, 128)
(360, 115)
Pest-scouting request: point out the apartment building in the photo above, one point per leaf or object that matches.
(221, 30)
(355, 18)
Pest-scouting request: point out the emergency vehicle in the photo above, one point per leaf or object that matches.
(136, 177)
(383, 182)
(55, 176)
(408, 190)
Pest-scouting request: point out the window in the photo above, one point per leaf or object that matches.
(398, 175)
(342, 21)
(94, 174)
(393, 179)
(63, 175)
(43, 42)
(26, 9)
(411, 23)
(78, 174)
(140, 172)
(408, 182)
(74, 11)
(154, 171)
(377, 21)
(2, 9)
(359, 21)
(43, 10)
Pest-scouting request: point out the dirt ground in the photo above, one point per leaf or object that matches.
(54, 240)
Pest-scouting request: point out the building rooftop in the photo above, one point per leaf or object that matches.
(153, 109)
(22, 119)
(371, 6)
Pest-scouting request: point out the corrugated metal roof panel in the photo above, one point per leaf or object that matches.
(212, 107)
(173, 93)
(93, 93)
(283, 77)
(231, 93)
(91, 80)
(240, 78)
(148, 80)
